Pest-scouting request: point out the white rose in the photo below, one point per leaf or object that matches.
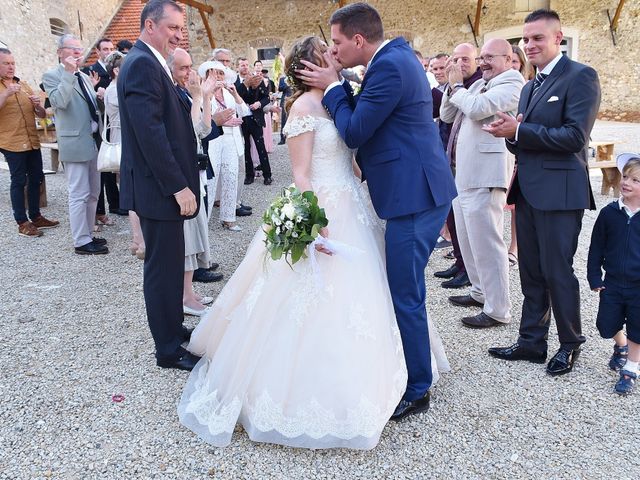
(289, 210)
(289, 225)
(277, 230)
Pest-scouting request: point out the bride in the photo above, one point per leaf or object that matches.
(295, 361)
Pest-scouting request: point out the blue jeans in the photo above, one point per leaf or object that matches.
(25, 169)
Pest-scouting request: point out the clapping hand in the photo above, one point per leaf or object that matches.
(505, 126)
(35, 100)
(208, 87)
(95, 78)
(255, 105)
(233, 122)
(454, 72)
(193, 84)
(12, 89)
(100, 93)
(223, 116)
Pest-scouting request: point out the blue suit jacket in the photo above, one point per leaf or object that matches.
(158, 142)
(391, 124)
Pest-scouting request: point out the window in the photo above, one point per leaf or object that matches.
(531, 5)
(268, 53)
(58, 27)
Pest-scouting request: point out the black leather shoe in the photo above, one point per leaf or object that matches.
(517, 352)
(186, 362)
(248, 180)
(281, 142)
(268, 180)
(91, 249)
(405, 408)
(205, 276)
(481, 320)
(450, 272)
(241, 212)
(562, 362)
(465, 301)
(213, 267)
(99, 241)
(459, 281)
(246, 207)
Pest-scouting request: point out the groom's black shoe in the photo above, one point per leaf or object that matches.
(562, 362)
(406, 408)
(186, 362)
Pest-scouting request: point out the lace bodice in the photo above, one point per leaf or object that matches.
(331, 161)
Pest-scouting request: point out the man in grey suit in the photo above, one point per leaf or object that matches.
(550, 139)
(483, 174)
(77, 125)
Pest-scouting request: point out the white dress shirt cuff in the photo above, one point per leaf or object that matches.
(332, 85)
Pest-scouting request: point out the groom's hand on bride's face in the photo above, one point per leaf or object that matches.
(317, 77)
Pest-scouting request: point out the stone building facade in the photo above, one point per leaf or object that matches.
(247, 27)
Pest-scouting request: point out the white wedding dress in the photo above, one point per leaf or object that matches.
(296, 361)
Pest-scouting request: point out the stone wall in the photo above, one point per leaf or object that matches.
(24, 28)
(437, 27)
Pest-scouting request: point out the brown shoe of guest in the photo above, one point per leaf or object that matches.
(44, 223)
(28, 229)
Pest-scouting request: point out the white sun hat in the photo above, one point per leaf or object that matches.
(623, 158)
(229, 75)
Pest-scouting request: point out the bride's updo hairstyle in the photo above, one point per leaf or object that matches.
(309, 49)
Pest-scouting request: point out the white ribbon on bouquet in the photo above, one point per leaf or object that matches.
(348, 252)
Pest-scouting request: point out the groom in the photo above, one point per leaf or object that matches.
(400, 154)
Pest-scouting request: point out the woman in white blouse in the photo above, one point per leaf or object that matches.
(226, 150)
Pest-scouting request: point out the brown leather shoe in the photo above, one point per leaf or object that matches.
(43, 223)
(28, 229)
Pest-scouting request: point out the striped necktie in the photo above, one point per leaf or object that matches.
(537, 83)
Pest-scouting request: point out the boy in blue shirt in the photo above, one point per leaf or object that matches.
(615, 248)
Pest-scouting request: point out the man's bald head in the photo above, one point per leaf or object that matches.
(465, 56)
(495, 58)
(180, 65)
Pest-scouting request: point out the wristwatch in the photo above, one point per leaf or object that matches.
(454, 86)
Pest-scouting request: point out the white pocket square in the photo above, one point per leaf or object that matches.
(553, 99)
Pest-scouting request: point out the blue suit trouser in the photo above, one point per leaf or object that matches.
(409, 241)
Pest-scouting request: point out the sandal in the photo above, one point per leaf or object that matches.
(513, 260)
(619, 357)
(627, 381)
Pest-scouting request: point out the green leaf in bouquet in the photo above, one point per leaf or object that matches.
(276, 253)
(297, 252)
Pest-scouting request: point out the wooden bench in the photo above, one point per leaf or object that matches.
(54, 155)
(604, 161)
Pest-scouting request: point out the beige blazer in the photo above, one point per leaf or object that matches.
(72, 117)
(481, 158)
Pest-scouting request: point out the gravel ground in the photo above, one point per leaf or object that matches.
(74, 333)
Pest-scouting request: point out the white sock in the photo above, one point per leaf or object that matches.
(631, 366)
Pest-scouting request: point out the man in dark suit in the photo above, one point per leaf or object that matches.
(550, 138)
(401, 157)
(255, 94)
(104, 47)
(285, 90)
(159, 173)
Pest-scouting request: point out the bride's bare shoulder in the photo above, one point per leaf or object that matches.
(306, 104)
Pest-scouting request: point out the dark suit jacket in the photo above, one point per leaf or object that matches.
(391, 124)
(553, 139)
(105, 79)
(158, 142)
(252, 95)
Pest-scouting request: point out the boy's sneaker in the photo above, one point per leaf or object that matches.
(619, 357)
(627, 381)
(42, 222)
(28, 229)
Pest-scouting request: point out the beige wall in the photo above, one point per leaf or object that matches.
(437, 26)
(24, 28)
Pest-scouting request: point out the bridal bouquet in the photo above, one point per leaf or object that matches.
(291, 223)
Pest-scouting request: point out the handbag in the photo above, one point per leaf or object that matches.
(109, 153)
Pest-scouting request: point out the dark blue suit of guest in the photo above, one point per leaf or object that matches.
(158, 160)
(402, 158)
